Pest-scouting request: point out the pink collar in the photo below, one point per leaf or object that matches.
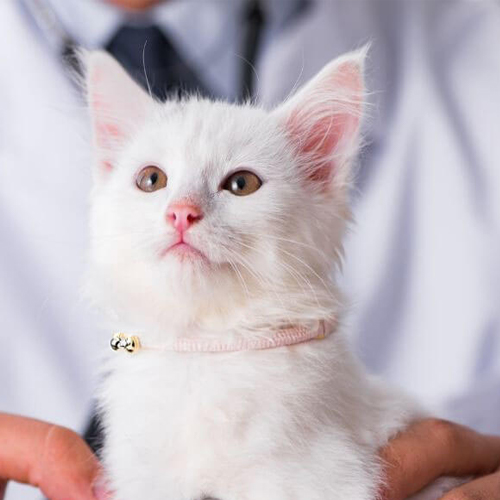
(281, 338)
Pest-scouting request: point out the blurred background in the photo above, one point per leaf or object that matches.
(422, 263)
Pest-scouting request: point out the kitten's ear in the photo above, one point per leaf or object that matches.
(323, 120)
(117, 106)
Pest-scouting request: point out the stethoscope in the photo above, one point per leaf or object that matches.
(43, 16)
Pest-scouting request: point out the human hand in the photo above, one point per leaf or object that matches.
(54, 459)
(433, 448)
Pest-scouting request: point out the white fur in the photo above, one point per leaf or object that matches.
(303, 422)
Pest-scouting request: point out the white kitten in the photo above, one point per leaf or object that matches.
(214, 225)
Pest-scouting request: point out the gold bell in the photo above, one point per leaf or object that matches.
(130, 343)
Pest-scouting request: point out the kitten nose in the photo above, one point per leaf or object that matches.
(182, 216)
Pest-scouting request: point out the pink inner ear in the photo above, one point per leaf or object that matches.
(348, 76)
(327, 119)
(107, 135)
(107, 132)
(117, 105)
(107, 165)
(317, 144)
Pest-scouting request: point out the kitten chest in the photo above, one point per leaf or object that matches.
(186, 423)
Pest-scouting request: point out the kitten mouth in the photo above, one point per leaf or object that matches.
(184, 250)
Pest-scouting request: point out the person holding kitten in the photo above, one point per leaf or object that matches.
(439, 459)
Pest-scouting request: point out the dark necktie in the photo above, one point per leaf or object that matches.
(153, 61)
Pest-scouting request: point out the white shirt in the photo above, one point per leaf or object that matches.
(207, 35)
(422, 264)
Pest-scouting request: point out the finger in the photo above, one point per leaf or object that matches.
(432, 448)
(52, 458)
(67, 465)
(484, 488)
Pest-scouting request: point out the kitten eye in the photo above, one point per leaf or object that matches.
(242, 183)
(151, 179)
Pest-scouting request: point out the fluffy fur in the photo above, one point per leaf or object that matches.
(303, 422)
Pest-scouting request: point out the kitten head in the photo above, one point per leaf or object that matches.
(206, 211)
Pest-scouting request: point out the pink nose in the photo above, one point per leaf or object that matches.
(182, 216)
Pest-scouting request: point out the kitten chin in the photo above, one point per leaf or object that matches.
(179, 295)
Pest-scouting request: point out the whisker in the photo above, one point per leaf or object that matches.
(293, 272)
